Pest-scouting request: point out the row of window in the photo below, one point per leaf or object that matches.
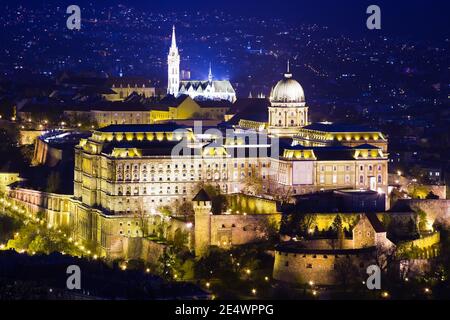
(347, 179)
(137, 191)
(348, 168)
(127, 167)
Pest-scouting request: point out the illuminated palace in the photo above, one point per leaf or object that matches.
(197, 89)
(125, 173)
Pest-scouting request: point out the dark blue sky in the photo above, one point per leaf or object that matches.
(422, 18)
(414, 18)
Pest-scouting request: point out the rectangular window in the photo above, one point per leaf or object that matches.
(308, 266)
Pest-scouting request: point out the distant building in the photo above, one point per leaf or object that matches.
(207, 89)
(122, 88)
(140, 112)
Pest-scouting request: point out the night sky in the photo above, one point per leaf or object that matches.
(421, 19)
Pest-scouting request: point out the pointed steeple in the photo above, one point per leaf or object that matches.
(250, 95)
(288, 74)
(210, 76)
(174, 40)
(173, 70)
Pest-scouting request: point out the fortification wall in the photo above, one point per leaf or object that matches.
(321, 269)
(227, 230)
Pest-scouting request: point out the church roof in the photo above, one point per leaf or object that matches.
(201, 85)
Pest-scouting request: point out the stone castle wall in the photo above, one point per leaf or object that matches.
(321, 269)
(228, 230)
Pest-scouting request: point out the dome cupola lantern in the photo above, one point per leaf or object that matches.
(288, 111)
(287, 90)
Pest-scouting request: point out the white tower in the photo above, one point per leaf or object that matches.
(173, 61)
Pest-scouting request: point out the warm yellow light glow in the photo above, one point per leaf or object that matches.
(385, 294)
(311, 283)
(208, 284)
(253, 291)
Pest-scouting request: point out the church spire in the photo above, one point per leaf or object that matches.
(173, 70)
(174, 40)
(210, 76)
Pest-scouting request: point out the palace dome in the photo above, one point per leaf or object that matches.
(287, 90)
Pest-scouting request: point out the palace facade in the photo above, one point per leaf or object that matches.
(125, 174)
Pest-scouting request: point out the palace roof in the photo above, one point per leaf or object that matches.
(160, 127)
(251, 109)
(338, 127)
